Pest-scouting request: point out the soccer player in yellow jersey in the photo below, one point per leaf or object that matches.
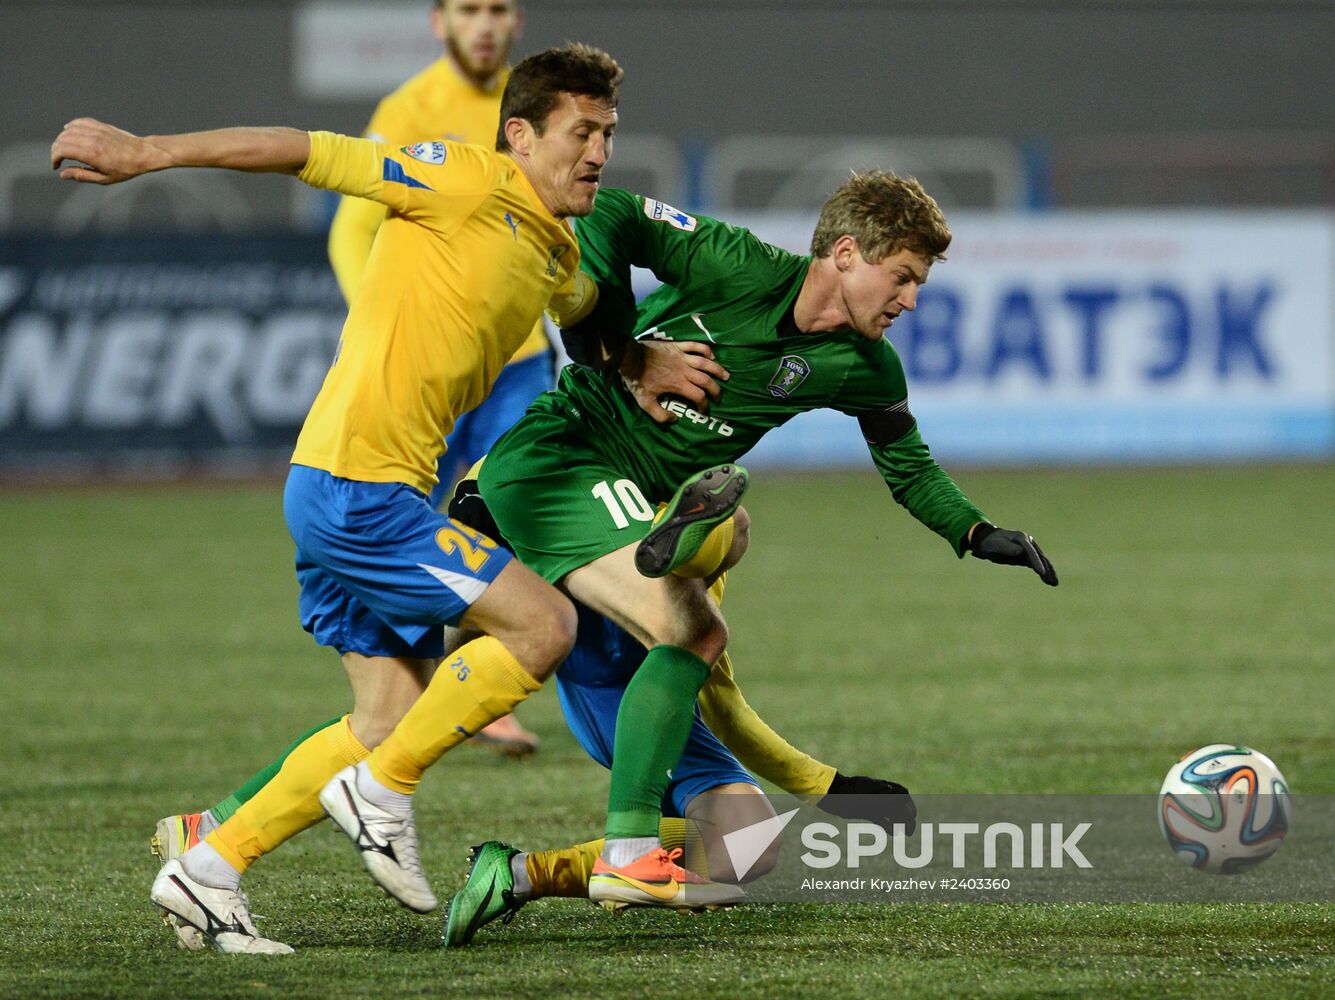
(457, 97)
(474, 247)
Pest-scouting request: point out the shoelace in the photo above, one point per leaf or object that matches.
(243, 916)
(681, 873)
(667, 858)
(404, 836)
(511, 906)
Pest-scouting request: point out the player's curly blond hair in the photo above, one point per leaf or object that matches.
(885, 214)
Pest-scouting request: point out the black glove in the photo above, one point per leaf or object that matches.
(467, 507)
(590, 344)
(1014, 548)
(886, 803)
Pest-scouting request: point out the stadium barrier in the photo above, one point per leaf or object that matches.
(1059, 338)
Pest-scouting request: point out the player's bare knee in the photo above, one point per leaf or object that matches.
(721, 867)
(705, 635)
(726, 809)
(711, 643)
(763, 865)
(554, 633)
(530, 618)
(543, 636)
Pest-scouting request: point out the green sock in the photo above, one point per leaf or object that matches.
(224, 809)
(653, 724)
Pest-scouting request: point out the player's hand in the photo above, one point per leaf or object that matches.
(103, 154)
(686, 370)
(1014, 548)
(886, 803)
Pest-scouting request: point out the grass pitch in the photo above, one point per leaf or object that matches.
(150, 660)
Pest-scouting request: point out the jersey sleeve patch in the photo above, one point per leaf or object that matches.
(394, 172)
(427, 152)
(660, 212)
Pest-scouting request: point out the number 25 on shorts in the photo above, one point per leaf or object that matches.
(473, 547)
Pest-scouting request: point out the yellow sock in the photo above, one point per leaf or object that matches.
(710, 554)
(291, 801)
(566, 872)
(563, 873)
(482, 682)
(675, 832)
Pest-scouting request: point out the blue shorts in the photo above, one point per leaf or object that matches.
(380, 570)
(477, 430)
(590, 684)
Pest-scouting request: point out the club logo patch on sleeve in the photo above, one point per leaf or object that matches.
(554, 255)
(427, 152)
(675, 217)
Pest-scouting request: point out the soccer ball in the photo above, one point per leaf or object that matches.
(1224, 808)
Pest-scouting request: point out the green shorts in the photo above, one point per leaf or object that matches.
(559, 502)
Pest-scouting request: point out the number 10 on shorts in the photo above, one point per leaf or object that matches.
(623, 498)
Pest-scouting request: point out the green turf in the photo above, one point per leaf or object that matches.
(149, 660)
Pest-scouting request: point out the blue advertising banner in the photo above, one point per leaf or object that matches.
(1148, 337)
(1109, 337)
(118, 354)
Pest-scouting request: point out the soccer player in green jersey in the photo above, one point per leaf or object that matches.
(573, 486)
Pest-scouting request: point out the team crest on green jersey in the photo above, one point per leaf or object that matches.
(554, 255)
(792, 371)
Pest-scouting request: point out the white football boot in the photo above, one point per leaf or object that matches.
(387, 841)
(172, 837)
(221, 916)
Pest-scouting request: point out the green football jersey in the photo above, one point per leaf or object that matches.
(724, 287)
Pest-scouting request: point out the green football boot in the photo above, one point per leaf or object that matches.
(701, 504)
(487, 894)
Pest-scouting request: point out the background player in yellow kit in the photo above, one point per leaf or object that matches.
(474, 248)
(457, 97)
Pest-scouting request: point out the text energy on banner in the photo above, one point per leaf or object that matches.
(139, 351)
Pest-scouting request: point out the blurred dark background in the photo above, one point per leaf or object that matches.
(1143, 197)
(1017, 103)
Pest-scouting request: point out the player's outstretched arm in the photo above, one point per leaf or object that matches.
(1013, 548)
(760, 749)
(104, 154)
(764, 752)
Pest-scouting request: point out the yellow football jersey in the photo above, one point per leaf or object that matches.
(460, 271)
(440, 100)
(437, 103)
